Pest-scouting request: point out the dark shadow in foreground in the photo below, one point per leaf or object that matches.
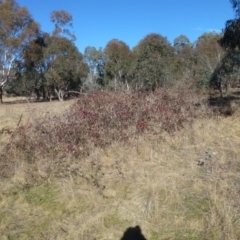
(133, 233)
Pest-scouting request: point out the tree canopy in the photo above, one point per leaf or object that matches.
(181, 42)
(153, 56)
(17, 28)
(50, 64)
(231, 37)
(118, 59)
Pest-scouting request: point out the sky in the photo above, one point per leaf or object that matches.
(96, 22)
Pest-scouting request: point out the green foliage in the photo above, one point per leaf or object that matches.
(209, 38)
(62, 19)
(153, 57)
(231, 36)
(180, 43)
(91, 57)
(208, 55)
(51, 64)
(63, 62)
(227, 71)
(118, 61)
(28, 73)
(236, 6)
(17, 28)
(95, 59)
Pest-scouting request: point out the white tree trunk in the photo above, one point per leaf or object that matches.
(60, 94)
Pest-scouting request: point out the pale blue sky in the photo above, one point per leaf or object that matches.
(95, 22)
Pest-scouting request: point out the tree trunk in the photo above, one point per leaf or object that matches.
(60, 94)
(1, 93)
(44, 92)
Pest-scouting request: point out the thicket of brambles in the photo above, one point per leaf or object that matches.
(102, 118)
(50, 65)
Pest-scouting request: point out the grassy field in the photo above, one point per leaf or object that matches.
(18, 111)
(173, 185)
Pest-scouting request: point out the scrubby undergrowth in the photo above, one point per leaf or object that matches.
(100, 118)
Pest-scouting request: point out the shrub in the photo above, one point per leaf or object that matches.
(99, 118)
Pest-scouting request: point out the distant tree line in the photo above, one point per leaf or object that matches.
(154, 63)
(50, 65)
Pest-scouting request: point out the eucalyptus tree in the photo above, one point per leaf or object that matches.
(228, 70)
(91, 56)
(118, 60)
(180, 43)
(236, 7)
(184, 63)
(153, 57)
(63, 21)
(17, 28)
(95, 59)
(209, 55)
(63, 63)
(29, 74)
(231, 36)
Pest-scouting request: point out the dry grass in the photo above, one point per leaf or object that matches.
(179, 186)
(14, 114)
(11, 110)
